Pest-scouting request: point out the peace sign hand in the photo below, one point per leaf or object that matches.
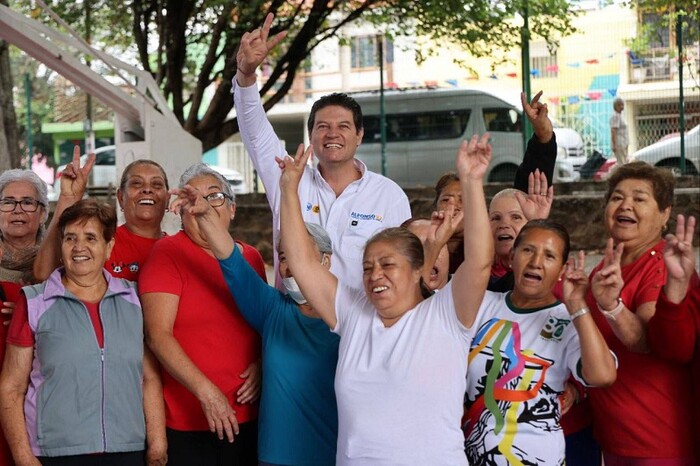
(255, 46)
(607, 284)
(293, 167)
(74, 178)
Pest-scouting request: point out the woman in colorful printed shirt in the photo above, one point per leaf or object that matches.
(526, 344)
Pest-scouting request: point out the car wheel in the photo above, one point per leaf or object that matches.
(503, 174)
(675, 164)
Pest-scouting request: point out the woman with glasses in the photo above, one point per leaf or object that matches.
(23, 211)
(209, 354)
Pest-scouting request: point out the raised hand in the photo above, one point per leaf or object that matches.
(293, 167)
(536, 112)
(189, 199)
(607, 284)
(255, 45)
(538, 201)
(473, 157)
(575, 283)
(680, 259)
(74, 178)
(443, 224)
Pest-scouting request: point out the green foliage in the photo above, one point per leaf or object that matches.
(188, 45)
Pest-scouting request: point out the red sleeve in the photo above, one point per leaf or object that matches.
(152, 278)
(20, 333)
(671, 332)
(253, 257)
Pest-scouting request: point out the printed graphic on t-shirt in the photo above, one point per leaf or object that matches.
(512, 400)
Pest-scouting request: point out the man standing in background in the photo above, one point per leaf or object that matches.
(618, 132)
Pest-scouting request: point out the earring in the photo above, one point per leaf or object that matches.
(664, 228)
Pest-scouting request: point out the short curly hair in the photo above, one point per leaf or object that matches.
(662, 181)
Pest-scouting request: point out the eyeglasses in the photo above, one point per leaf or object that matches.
(27, 205)
(217, 199)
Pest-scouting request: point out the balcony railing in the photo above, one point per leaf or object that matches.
(661, 63)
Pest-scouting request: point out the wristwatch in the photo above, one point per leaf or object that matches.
(611, 314)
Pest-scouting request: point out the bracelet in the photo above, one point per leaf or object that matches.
(581, 312)
(611, 314)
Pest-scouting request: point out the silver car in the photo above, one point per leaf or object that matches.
(667, 153)
(104, 173)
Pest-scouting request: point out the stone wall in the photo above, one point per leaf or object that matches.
(578, 206)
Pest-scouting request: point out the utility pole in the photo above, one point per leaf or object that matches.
(525, 70)
(382, 110)
(681, 101)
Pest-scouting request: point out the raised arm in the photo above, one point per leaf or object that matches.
(73, 184)
(671, 332)
(629, 327)
(191, 200)
(254, 48)
(318, 285)
(597, 363)
(256, 132)
(541, 151)
(680, 259)
(470, 281)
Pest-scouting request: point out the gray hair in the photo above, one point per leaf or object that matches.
(618, 100)
(320, 237)
(201, 169)
(27, 176)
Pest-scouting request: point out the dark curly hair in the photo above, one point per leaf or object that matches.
(661, 179)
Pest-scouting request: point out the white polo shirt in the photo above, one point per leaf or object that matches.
(366, 206)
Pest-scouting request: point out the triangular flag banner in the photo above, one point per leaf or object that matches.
(595, 95)
(551, 68)
(554, 100)
(573, 99)
(613, 92)
(512, 75)
(593, 61)
(574, 65)
(451, 82)
(493, 76)
(535, 72)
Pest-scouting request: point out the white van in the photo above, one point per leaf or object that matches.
(424, 127)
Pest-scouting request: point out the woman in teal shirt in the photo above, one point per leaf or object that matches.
(298, 422)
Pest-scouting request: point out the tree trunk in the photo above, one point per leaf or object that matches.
(9, 133)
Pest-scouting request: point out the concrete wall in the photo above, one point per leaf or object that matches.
(578, 206)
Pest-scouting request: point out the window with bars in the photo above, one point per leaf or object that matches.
(364, 51)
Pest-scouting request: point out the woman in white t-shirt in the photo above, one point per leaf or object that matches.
(526, 344)
(402, 357)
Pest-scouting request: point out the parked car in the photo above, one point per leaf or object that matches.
(666, 152)
(569, 146)
(424, 127)
(104, 173)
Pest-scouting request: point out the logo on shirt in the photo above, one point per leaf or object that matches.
(362, 216)
(313, 208)
(554, 328)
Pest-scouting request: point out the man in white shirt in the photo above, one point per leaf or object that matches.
(341, 195)
(618, 132)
